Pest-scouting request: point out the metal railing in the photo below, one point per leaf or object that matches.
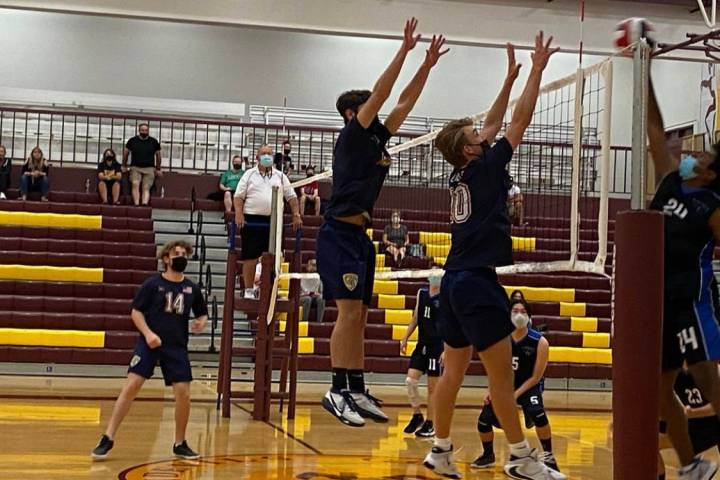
(193, 208)
(213, 323)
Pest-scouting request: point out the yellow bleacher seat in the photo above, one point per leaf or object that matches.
(398, 317)
(440, 260)
(535, 294)
(398, 332)
(51, 274)
(302, 328)
(51, 338)
(54, 220)
(435, 238)
(601, 356)
(596, 340)
(379, 260)
(393, 302)
(284, 267)
(409, 350)
(523, 244)
(389, 287)
(568, 309)
(306, 345)
(377, 247)
(284, 283)
(435, 250)
(382, 269)
(583, 324)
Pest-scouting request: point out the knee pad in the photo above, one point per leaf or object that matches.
(485, 420)
(537, 414)
(413, 391)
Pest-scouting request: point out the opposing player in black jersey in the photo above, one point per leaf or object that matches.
(703, 422)
(475, 308)
(426, 358)
(161, 313)
(345, 255)
(687, 195)
(530, 351)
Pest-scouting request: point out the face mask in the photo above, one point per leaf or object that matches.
(310, 174)
(435, 281)
(287, 151)
(687, 167)
(266, 160)
(178, 264)
(237, 166)
(109, 159)
(520, 320)
(144, 135)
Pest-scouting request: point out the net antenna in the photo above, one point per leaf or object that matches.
(709, 21)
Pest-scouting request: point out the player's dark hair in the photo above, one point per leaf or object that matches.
(451, 140)
(170, 246)
(522, 295)
(143, 124)
(521, 302)
(351, 99)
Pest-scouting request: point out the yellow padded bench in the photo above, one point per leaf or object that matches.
(302, 328)
(398, 317)
(379, 260)
(391, 302)
(306, 345)
(536, 294)
(398, 332)
(388, 287)
(51, 338)
(583, 324)
(596, 340)
(51, 274)
(599, 356)
(54, 220)
(569, 309)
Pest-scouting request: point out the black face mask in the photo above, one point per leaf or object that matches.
(144, 135)
(287, 151)
(109, 159)
(237, 166)
(178, 264)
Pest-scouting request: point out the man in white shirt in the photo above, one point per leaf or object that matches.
(515, 204)
(253, 205)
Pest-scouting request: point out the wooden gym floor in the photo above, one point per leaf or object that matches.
(49, 425)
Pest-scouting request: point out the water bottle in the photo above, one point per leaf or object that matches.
(87, 185)
(162, 192)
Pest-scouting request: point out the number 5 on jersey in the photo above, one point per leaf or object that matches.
(176, 306)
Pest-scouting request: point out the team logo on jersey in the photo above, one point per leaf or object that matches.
(135, 360)
(350, 280)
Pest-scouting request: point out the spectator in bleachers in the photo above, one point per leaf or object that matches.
(517, 295)
(310, 192)
(396, 237)
(109, 177)
(34, 176)
(229, 181)
(145, 161)
(253, 205)
(282, 160)
(516, 211)
(5, 170)
(311, 294)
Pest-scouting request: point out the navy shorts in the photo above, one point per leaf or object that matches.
(475, 309)
(345, 262)
(531, 403)
(426, 358)
(173, 359)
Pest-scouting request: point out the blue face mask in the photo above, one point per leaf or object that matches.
(687, 167)
(266, 160)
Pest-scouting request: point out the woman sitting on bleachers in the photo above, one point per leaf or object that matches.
(396, 238)
(34, 177)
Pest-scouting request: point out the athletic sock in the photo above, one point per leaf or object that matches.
(546, 444)
(356, 380)
(520, 449)
(339, 380)
(488, 448)
(443, 444)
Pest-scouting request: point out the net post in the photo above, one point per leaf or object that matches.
(605, 139)
(576, 156)
(275, 247)
(641, 67)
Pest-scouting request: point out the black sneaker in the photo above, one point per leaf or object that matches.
(486, 460)
(103, 448)
(415, 422)
(183, 451)
(426, 431)
(549, 460)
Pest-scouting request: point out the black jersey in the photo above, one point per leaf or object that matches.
(166, 306)
(360, 165)
(686, 390)
(478, 211)
(689, 241)
(428, 318)
(524, 355)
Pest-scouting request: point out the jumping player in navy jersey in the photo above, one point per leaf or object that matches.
(426, 358)
(688, 196)
(530, 352)
(345, 255)
(475, 308)
(161, 312)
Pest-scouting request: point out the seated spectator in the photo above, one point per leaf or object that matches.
(229, 181)
(311, 294)
(34, 176)
(396, 238)
(310, 192)
(5, 170)
(517, 295)
(109, 177)
(515, 204)
(283, 160)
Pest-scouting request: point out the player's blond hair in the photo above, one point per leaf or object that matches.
(452, 139)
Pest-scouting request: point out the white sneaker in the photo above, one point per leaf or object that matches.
(250, 293)
(2, 196)
(369, 406)
(343, 407)
(441, 462)
(699, 469)
(530, 468)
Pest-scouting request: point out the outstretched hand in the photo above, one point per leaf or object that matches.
(409, 37)
(513, 68)
(543, 52)
(434, 51)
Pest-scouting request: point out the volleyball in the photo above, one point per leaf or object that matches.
(632, 30)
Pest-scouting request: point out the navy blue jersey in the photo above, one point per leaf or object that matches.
(478, 210)
(360, 165)
(687, 391)
(689, 240)
(428, 320)
(524, 355)
(166, 306)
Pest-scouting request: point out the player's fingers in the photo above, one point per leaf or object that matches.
(444, 52)
(547, 45)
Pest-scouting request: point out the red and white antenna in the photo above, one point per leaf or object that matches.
(582, 25)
